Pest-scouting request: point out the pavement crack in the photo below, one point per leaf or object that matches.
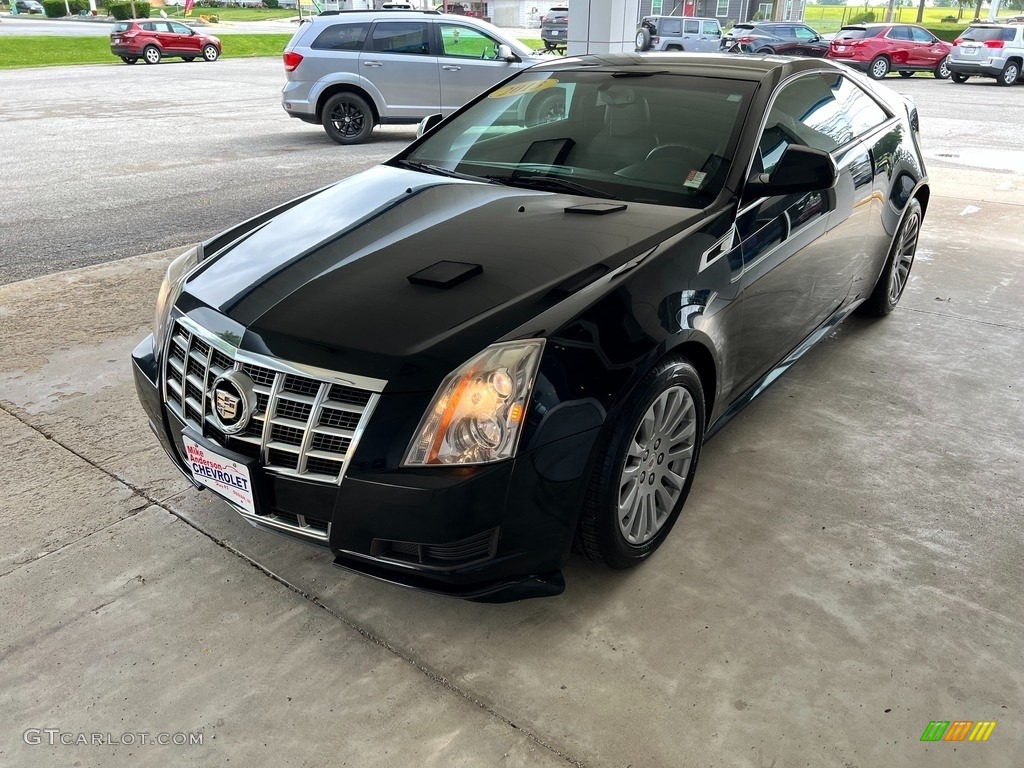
(429, 673)
(972, 320)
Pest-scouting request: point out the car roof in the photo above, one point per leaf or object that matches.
(751, 67)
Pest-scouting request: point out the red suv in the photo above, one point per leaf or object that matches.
(881, 48)
(153, 39)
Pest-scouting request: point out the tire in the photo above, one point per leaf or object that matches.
(767, 51)
(188, 58)
(643, 39)
(637, 489)
(893, 280)
(1009, 74)
(129, 59)
(347, 118)
(941, 72)
(151, 54)
(546, 107)
(958, 78)
(210, 52)
(878, 68)
(904, 73)
(675, 48)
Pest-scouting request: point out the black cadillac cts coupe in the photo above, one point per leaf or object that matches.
(512, 339)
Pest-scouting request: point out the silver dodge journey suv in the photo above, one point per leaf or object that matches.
(352, 70)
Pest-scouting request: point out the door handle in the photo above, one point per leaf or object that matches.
(451, 67)
(373, 63)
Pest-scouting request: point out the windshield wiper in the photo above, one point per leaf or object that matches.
(552, 184)
(437, 170)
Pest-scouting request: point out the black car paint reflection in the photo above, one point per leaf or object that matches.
(673, 258)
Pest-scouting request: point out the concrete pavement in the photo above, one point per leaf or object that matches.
(847, 569)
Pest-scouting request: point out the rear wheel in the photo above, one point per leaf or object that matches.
(889, 288)
(210, 52)
(151, 54)
(347, 118)
(767, 51)
(645, 467)
(941, 72)
(1009, 74)
(879, 67)
(129, 59)
(957, 78)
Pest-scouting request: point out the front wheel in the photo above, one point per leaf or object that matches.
(210, 52)
(644, 468)
(1009, 74)
(941, 72)
(889, 288)
(151, 55)
(347, 118)
(958, 78)
(879, 67)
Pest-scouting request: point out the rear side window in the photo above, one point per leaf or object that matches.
(857, 33)
(984, 34)
(691, 27)
(899, 33)
(670, 27)
(401, 37)
(342, 37)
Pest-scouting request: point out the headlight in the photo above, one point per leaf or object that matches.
(169, 290)
(477, 414)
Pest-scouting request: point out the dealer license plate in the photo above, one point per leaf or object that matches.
(228, 478)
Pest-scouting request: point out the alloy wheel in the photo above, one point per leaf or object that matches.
(903, 258)
(657, 462)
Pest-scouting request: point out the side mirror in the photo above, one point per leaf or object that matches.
(505, 54)
(427, 123)
(800, 169)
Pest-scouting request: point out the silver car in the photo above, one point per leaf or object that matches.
(352, 70)
(678, 33)
(989, 50)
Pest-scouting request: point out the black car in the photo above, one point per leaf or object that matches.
(554, 28)
(782, 37)
(513, 338)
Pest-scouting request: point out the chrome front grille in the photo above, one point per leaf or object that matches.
(306, 422)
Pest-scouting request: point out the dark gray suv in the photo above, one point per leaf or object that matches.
(352, 70)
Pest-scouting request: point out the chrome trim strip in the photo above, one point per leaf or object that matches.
(260, 521)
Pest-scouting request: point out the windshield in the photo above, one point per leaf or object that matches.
(633, 136)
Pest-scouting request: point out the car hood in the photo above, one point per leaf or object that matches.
(326, 282)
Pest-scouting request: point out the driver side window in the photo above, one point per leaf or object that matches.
(467, 43)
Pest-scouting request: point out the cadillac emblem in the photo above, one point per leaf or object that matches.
(233, 401)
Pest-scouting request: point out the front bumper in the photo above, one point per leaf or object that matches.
(498, 532)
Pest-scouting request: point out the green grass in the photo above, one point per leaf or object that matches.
(829, 18)
(231, 14)
(18, 52)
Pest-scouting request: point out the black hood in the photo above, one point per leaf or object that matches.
(328, 278)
